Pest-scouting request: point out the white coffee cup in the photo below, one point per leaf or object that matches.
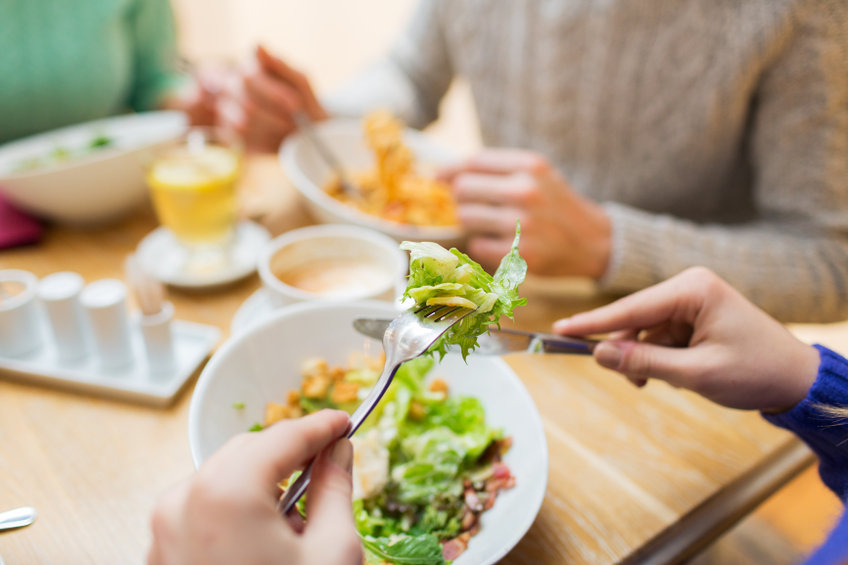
(334, 262)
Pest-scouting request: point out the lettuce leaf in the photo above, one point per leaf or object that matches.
(405, 550)
(438, 275)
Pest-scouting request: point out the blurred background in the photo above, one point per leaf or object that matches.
(328, 39)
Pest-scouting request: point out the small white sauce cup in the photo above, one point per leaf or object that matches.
(59, 293)
(327, 243)
(20, 324)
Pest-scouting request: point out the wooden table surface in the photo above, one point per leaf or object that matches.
(636, 475)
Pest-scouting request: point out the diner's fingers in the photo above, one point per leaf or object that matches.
(231, 115)
(642, 309)
(331, 529)
(166, 523)
(485, 219)
(488, 251)
(262, 120)
(295, 521)
(272, 93)
(294, 77)
(518, 189)
(639, 361)
(280, 449)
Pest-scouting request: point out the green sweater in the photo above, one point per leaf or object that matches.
(67, 62)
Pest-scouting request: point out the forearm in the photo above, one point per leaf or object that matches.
(826, 434)
(793, 277)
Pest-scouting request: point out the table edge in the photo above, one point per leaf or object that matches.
(710, 519)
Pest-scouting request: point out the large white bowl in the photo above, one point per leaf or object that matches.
(99, 187)
(262, 364)
(309, 173)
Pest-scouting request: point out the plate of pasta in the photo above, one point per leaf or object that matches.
(394, 169)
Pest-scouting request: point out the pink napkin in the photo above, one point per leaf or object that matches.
(16, 227)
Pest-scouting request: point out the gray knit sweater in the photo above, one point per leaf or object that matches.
(714, 132)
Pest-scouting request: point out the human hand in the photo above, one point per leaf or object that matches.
(696, 332)
(562, 233)
(226, 513)
(198, 97)
(260, 100)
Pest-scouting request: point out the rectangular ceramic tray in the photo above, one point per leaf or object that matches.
(192, 344)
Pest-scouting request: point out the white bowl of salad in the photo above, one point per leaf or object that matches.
(89, 173)
(469, 454)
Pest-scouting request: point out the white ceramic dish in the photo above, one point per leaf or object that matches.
(309, 173)
(379, 266)
(100, 186)
(134, 382)
(262, 364)
(161, 255)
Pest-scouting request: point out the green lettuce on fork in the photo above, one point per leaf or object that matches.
(438, 276)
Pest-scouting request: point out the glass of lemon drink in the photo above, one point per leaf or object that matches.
(193, 186)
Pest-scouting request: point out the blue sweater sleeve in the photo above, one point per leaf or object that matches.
(826, 435)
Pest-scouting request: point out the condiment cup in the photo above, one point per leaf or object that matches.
(332, 262)
(20, 328)
(59, 294)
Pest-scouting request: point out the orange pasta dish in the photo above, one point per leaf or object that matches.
(394, 190)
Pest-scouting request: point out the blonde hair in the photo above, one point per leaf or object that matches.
(833, 411)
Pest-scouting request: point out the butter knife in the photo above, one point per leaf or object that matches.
(499, 341)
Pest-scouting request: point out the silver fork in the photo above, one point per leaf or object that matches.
(408, 336)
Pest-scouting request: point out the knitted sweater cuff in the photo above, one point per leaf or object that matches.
(829, 389)
(635, 236)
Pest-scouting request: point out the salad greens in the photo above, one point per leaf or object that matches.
(436, 444)
(450, 277)
(61, 154)
(405, 550)
(426, 463)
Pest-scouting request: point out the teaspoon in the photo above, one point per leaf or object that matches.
(17, 518)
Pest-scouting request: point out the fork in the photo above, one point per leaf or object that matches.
(305, 125)
(408, 336)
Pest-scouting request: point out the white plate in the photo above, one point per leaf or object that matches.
(262, 363)
(308, 173)
(161, 255)
(101, 186)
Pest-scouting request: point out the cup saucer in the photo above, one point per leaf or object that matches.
(256, 308)
(165, 259)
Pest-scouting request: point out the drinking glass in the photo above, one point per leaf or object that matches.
(193, 186)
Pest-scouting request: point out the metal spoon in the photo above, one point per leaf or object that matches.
(17, 518)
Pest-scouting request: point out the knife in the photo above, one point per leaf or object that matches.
(499, 341)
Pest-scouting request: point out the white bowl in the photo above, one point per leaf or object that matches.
(97, 187)
(262, 364)
(309, 173)
(385, 264)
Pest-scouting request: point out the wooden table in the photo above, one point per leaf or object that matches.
(636, 476)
